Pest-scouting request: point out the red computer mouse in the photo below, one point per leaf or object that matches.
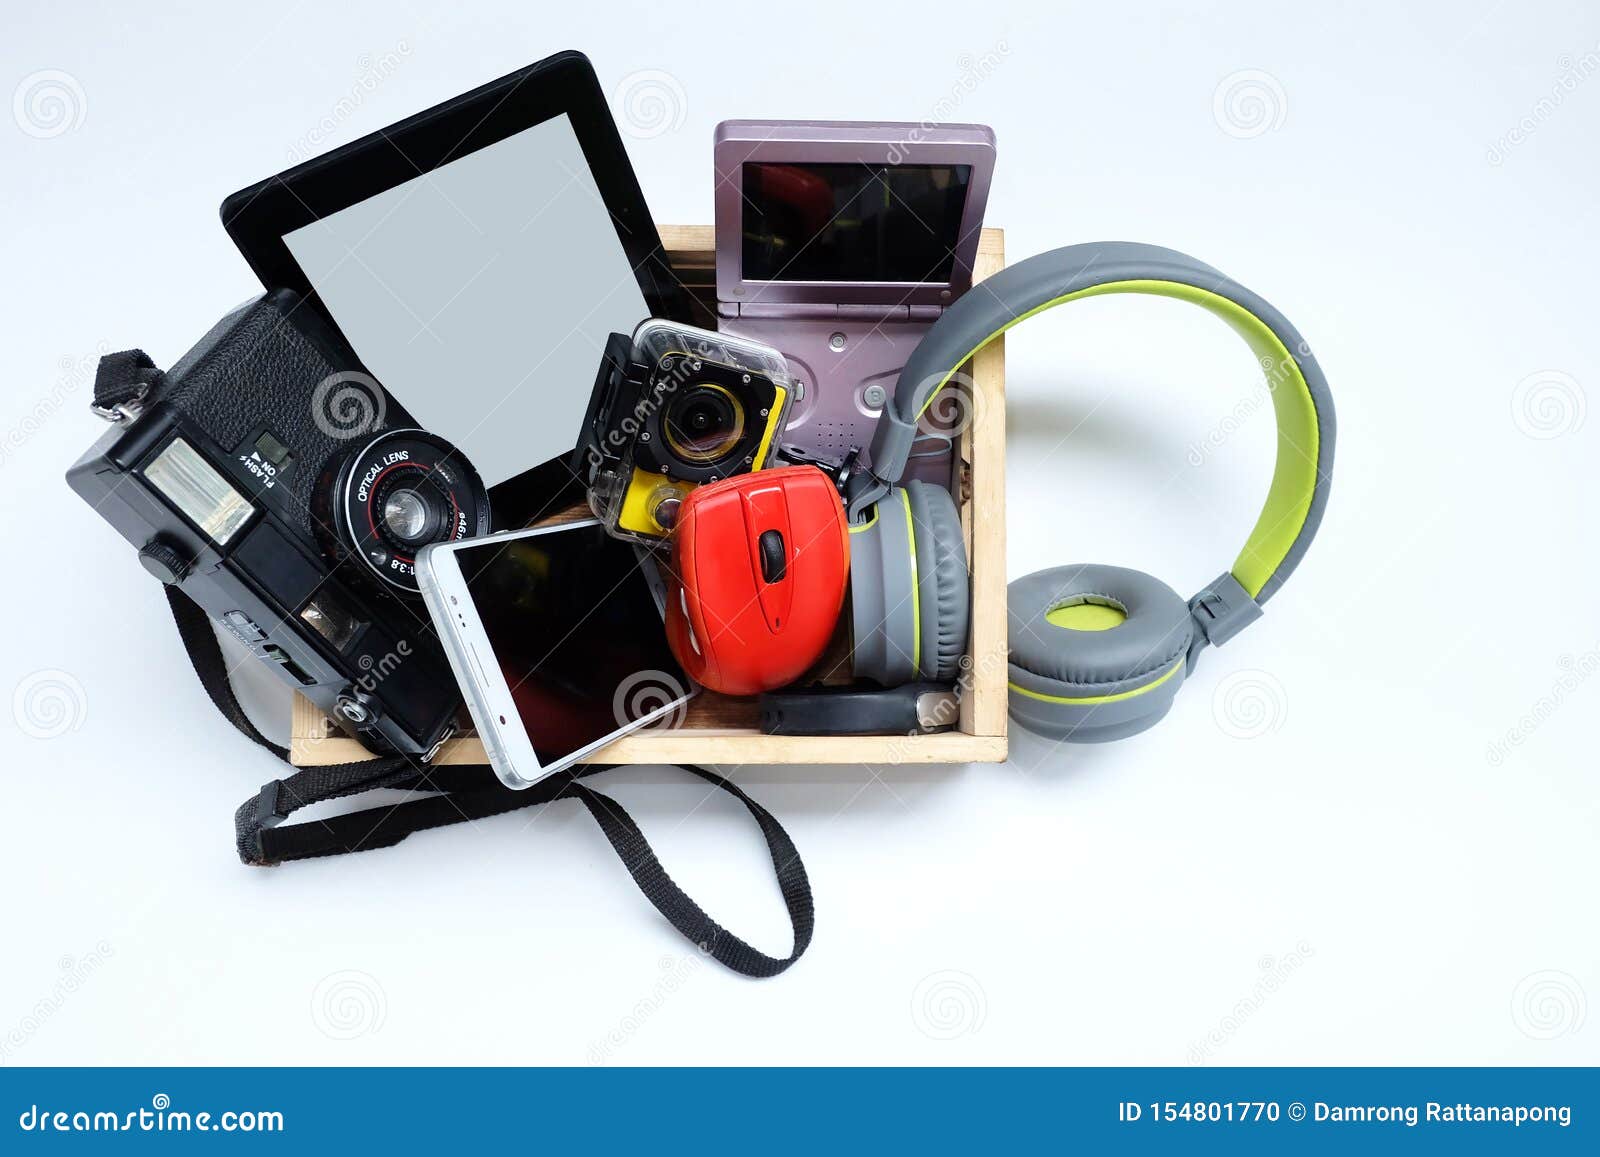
(760, 565)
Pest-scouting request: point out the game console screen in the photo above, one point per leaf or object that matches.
(843, 222)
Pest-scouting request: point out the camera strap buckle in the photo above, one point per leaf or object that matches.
(122, 382)
(125, 411)
(438, 744)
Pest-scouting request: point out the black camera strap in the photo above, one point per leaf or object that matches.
(461, 793)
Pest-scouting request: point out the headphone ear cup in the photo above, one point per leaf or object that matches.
(944, 594)
(909, 590)
(883, 623)
(1096, 652)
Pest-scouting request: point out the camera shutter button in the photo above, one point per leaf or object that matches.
(164, 560)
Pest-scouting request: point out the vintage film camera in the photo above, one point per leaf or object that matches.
(673, 408)
(284, 491)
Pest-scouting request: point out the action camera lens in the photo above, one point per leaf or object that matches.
(401, 492)
(703, 424)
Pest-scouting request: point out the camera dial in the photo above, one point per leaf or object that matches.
(400, 492)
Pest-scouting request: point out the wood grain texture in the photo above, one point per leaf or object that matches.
(690, 250)
(722, 730)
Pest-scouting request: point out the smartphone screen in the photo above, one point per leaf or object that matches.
(572, 619)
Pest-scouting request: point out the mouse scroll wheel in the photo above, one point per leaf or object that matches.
(774, 558)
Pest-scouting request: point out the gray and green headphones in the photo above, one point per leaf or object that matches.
(1096, 652)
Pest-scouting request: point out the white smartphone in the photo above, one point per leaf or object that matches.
(555, 635)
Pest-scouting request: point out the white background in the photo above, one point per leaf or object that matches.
(1315, 858)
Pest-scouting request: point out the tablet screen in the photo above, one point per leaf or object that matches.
(481, 294)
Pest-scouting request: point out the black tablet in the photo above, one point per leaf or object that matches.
(476, 256)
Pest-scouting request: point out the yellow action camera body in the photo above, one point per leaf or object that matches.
(676, 407)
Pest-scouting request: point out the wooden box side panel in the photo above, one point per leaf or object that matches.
(983, 516)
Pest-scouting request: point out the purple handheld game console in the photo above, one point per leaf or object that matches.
(839, 243)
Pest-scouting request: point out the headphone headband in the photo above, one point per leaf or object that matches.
(1300, 397)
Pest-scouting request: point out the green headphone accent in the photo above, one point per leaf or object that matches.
(1121, 676)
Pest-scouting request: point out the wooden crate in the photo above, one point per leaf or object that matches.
(722, 730)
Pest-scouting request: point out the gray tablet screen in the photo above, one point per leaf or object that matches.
(481, 294)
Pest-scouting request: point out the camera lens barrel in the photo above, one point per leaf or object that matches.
(708, 422)
(703, 423)
(400, 492)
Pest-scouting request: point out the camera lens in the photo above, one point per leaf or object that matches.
(400, 492)
(410, 516)
(703, 424)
